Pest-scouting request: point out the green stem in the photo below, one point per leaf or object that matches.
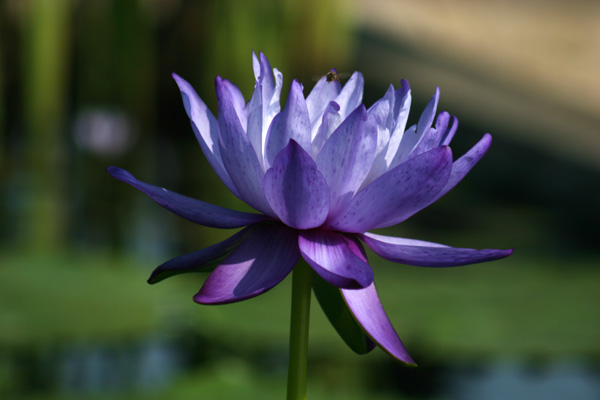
(301, 292)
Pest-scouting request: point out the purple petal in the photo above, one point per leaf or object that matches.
(201, 260)
(263, 260)
(428, 114)
(427, 254)
(254, 128)
(239, 157)
(296, 190)
(462, 166)
(397, 194)
(402, 103)
(382, 110)
(337, 258)
(433, 136)
(351, 95)
(239, 104)
(191, 209)
(347, 156)
(368, 311)
(449, 134)
(291, 123)
(319, 97)
(266, 78)
(411, 139)
(206, 130)
(331, 120)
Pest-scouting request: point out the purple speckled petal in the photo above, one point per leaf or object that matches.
(319, 97)
(368, 311)
(199, 261)
(397, 194)
(205, 128)
(259, 263)
(291, 123)
(427, 254)
(191, 209)
(338, 259)
(296, 190)
(239, 157)
(347, 156)
(462, 166)
(351, 95)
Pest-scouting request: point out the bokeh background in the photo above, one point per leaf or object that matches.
(87, 83)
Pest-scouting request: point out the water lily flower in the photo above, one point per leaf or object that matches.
(321, 173)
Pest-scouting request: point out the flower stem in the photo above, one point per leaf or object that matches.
(301, 292)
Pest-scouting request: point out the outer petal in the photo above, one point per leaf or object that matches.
(191, 209)
(239, 156)
(199, 261)
(397, 194)
(351, 95)
(337, 258)
(206, 130)
(296, 190)
(368, 311)
(426, 254)
(347, 156)
(263, 260)
(291, 123)
(462, 166)
(337, 312)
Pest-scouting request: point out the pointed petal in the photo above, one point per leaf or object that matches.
(351, 95)
(205, 128)
(337, 312)
(239, 157)
(239, 104)
(347, 156)
(427, 254)
(291, 123)
(199, 261)
(260, 262)
(402, 102)
(264, 104)
(368, 311)
(411, 139)
(397, 194)
(462, 166)
(452, 127)
(319, 97)
(191, 209)
(254, 129)
(337, 258)
(296, 190)
(266, 78)
(331, 120)
(433, 136)
(428, 114)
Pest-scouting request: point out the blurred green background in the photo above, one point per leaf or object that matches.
(87, 84)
